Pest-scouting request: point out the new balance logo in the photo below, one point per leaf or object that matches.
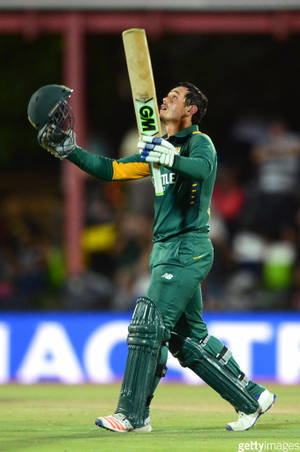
(167, 276)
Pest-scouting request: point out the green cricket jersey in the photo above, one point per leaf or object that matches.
(188, 185)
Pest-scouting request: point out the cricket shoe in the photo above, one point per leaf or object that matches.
(118, 422)
(247, 421)
(146, 428)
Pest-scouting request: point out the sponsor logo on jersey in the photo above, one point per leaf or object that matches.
(167, 276)
(168, 178)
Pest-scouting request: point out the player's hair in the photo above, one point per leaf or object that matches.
(195, 97)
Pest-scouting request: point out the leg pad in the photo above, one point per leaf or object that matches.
(217, 369)
(146, 334)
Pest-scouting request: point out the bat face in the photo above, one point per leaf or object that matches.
(147, 117)
(143, 90)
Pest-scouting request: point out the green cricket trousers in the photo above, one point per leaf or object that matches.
(178, 267)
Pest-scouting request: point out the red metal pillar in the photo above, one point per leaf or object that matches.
(73, 177)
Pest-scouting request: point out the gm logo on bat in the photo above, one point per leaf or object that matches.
(146, 117)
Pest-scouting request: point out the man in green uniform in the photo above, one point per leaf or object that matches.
(169, 317)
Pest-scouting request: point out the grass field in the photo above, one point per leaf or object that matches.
(57, 418)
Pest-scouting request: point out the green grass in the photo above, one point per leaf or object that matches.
(57, 418)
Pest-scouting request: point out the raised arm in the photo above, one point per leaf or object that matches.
(128, 168)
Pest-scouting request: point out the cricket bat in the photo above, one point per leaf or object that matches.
(143, 90)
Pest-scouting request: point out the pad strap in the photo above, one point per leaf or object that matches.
(224, 355)
(244, 380)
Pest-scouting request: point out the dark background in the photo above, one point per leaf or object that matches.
(242, 76)
(239, 74)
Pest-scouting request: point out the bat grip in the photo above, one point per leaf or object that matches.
(159, 191)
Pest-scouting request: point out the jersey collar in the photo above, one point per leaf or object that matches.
(187, 131)
(184, 133)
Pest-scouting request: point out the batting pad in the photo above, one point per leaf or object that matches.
(146, 333)
(213, 362)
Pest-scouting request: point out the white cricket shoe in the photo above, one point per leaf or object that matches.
(119, 423)
(246, 421)
(146, 428)
(116, 423)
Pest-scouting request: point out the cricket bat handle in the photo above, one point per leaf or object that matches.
(159, 191)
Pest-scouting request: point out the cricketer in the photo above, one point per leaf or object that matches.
(169, 317)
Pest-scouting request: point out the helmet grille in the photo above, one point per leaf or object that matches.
(61, 121)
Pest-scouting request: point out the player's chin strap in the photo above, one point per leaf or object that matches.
(145, 362)
(213, 362)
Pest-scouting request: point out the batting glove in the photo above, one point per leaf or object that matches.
(157, 150)
(59, 146)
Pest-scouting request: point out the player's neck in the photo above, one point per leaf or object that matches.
(174, 127)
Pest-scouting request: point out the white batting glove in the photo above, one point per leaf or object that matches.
(156, 150)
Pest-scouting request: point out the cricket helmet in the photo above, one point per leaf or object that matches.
(49, 105)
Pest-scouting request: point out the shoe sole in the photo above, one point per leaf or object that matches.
(256, 419)
(100, 424)
(144, 429)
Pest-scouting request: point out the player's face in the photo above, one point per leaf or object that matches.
(173, 107)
